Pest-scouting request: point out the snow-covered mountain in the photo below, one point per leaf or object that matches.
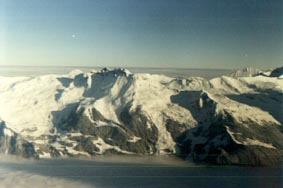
(245, 72)
(251, 72)
(223, 121)
(278, 72)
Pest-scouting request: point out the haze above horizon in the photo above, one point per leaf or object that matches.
(151, 33)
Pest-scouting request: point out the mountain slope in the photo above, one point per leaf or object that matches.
(224, 120)
(278, 72)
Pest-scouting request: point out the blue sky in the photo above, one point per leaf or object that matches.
(147, 33)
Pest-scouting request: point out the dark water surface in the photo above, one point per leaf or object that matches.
(131, 172)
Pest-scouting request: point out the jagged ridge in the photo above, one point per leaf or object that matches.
(222, 120)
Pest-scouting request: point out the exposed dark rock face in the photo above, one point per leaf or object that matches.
(221, 142)
(12, 143)
(114, 134)
(141, 126)
(277, 72)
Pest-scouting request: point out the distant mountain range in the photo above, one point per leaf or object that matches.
(251, 72)
(234, 119)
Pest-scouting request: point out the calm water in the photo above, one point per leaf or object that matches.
(36, 71)
(133, 172)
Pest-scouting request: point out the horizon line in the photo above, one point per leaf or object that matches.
(140, 67)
